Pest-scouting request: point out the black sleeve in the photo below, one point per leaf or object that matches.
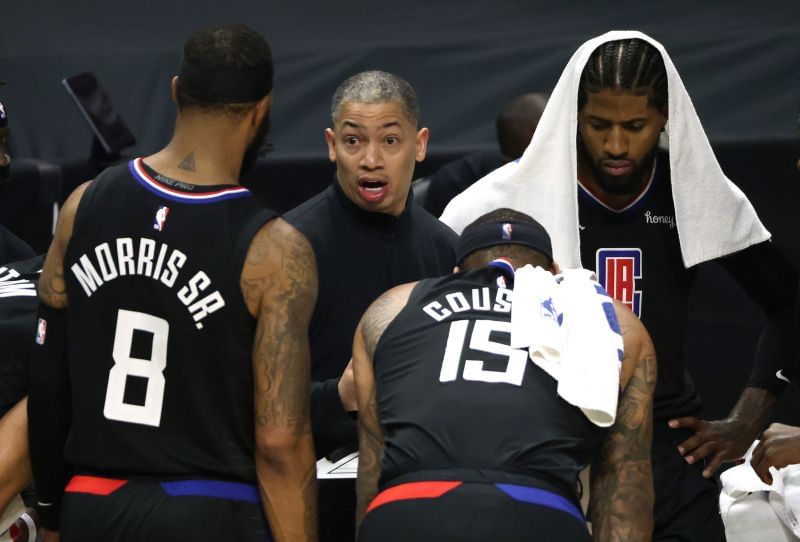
(771, 281)
(335, 433)
(49, 413)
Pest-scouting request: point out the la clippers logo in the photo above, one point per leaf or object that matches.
(617, 271)
(161, 218)
(507, 231)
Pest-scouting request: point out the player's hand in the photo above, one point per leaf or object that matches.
(347, 389)
(717, 441)
(779, 446)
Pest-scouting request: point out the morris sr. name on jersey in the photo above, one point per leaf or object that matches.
(147, 258)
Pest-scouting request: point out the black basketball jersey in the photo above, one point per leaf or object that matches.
(454, 399)
(637, 257)
(159, 336)
(18, 304)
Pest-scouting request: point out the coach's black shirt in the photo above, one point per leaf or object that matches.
(360, 255)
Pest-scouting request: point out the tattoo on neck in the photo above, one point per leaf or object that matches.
(188, 162)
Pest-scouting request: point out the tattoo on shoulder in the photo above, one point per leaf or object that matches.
(188, 162)
(377, 318)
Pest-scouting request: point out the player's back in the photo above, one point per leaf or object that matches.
(457, 402)
(159, 336)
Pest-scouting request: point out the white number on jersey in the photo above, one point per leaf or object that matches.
(480, 341)
(125, 365)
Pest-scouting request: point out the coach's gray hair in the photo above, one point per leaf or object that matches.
(376, 87)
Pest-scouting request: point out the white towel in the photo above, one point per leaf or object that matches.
(714, 218)
(785, 497)
(563, 323)
(753, 510)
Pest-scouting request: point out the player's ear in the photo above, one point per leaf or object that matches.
(554, 268)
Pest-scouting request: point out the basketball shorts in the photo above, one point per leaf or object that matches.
(467, 511)
(103, 509)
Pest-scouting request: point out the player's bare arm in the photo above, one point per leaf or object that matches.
(52, 286)
(621, 478)
(279, 284)
(370, 434)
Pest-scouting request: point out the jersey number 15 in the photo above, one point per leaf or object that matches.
(480, 340)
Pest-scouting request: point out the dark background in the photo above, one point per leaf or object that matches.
(738, 59)
(465, 58)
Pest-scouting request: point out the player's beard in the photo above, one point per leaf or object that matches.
(623, 185)
(256, 147)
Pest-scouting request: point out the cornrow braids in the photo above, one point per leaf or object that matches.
(631, 65)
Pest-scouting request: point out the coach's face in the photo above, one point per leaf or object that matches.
(618, 136)
(375, 147)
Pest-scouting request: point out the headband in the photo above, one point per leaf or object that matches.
(476, 237)
(225, 85)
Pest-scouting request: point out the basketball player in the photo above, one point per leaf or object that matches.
(18, 306)
(493, 453)
(620, 96)
(168, 297)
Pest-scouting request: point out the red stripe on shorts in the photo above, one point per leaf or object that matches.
(412, 490)
(94, 485)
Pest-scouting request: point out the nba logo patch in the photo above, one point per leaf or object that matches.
(617, 272)
(550, 312)
(41, 331)
(506, 231)
(2, 112)
(161, 218)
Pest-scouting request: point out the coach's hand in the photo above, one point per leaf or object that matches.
(717, 441)
(347, 389)
(779, 446)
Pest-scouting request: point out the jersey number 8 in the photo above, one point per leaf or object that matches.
(126, 365)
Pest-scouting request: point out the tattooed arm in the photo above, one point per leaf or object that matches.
(621, 478)
(48, 388)
(279, 284)
(370, 433)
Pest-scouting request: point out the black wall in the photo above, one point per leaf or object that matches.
(465, 58)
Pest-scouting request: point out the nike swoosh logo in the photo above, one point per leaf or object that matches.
(581, 227)
(779, 374)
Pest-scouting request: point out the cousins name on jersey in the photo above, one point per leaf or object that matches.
(478, 299)
(148, 258)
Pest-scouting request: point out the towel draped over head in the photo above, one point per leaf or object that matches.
(714, 218)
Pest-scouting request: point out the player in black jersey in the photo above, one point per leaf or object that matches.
(18, 305)
(172, 366)
(486, 450)
(644, 219)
